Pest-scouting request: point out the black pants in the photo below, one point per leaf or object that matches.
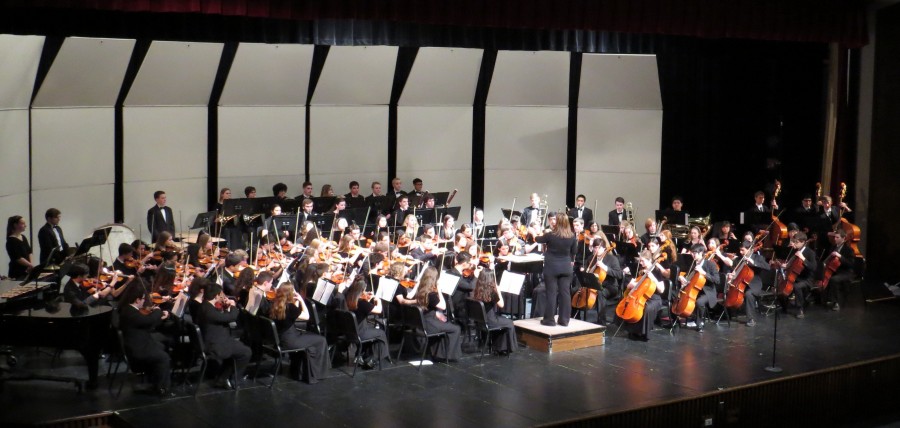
(232, 350)
(559, 295)
(157, 363)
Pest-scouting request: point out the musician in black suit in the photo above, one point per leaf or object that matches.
(759, 264)
(160, 217)
(706, 299)
(399, 214)
(580, 211)
(617, 215)
(804, 280)
(51, 236)
(611, 286)
(840, 279)
(354, 191)
(307, 191)
(417, 188)
(532, 213)
(141, 347)
(806, 214)
(759, 206)
(217, 335)
(464, 287)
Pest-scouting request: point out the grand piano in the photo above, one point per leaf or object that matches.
(40, 320)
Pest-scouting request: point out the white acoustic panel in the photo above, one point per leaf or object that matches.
(165, 143)
(530, 79)
(268, 75)
(435, 144)
(619, 81)
(526, 138)
(619, 154)
(442, 76)
(10, 205)
(261, 146)
(619, 140)
(176, 74)
(348, 143)
(19, 58)
(86, 72)
(186, 197)
(83, 209)
(502, 186)
(72, 147)
(357, 75)
(14, 159)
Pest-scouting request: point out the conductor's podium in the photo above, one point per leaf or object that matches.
(578, 334)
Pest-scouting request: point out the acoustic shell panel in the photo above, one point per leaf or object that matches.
(165, 149)
(14, 162)
(86, 73)
(176, 74)
(530, 79)
(347, 143)
(442, 77)
(261, 146)
(619, 155)
(19, 58)
(268, 75)
(435, 144)
(72, 147)
(525, 152)
(357, 75)
(619, 82)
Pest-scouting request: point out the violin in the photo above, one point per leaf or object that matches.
(132, 263)
(631, 307)
(270, 295)
(403, 241)
(156, 298)
(93, 285)
(408, 283)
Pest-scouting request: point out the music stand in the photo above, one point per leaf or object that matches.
(204, 221)
(355, 215)
(414, 200)
(323, 204)
(264, 205)
(611, 232)
(284, 222)
(290, 205)
(508, 213)
(440, 198)
(322, 221)
(98, 238)
(673, 217)
(426, 216)
(441, 212)
(377, 203)
(355, 202)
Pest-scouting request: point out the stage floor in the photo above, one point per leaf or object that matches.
(529, 388)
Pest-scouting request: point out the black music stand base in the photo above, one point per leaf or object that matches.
(773, 368)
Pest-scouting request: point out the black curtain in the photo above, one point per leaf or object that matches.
(737, 116)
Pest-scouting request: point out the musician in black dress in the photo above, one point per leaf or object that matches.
(486, 291)
(137, 324)
(17, 248)
(160, 217)
(611, 286)
(559, 258)
(216, 313)
(758, 263)
(639, 330)
(286, 309)
(432, 302)
(840, 279)
(50, 237)
(362, 304)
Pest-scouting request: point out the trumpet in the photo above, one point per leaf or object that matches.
(629, 212)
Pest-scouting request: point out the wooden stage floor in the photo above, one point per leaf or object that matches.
(529, 388)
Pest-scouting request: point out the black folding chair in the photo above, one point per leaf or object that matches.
(190, 353)
(479, 316)
(349, 330)
(414, 320)
(271, 344)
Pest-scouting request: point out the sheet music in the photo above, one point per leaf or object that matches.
(511, 282)
(324, 288)
(285, 277)
(386, 289)
(253, 300)
(447, 284)
(180, 303)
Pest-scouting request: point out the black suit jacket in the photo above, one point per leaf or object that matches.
(586, 214)
(136, 328)
(47, 241)
(157, 224)
(614, 218)
(214, 326)
(527, 213)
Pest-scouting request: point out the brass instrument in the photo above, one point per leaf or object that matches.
(629, 212)
(701, 222)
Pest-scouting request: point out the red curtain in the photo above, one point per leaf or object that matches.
(842, 21)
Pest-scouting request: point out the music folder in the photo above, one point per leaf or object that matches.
(387, 287)
(511, 282)
(324, 289)
(447, 283)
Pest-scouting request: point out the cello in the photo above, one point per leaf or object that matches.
(585, 297)
(853, 232)
(687, 296)
(631, 308)
(784, 284)
(777, 230)
(734, 296)
(832, 264)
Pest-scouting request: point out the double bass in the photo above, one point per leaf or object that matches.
(852, 230)
(734, 295)
(777, 230)
(631, 307)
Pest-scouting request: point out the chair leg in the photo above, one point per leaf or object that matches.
(485, 344)
(422, 358)
(358, 353)
(202, 375)
(277, 371)
(402, 341)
